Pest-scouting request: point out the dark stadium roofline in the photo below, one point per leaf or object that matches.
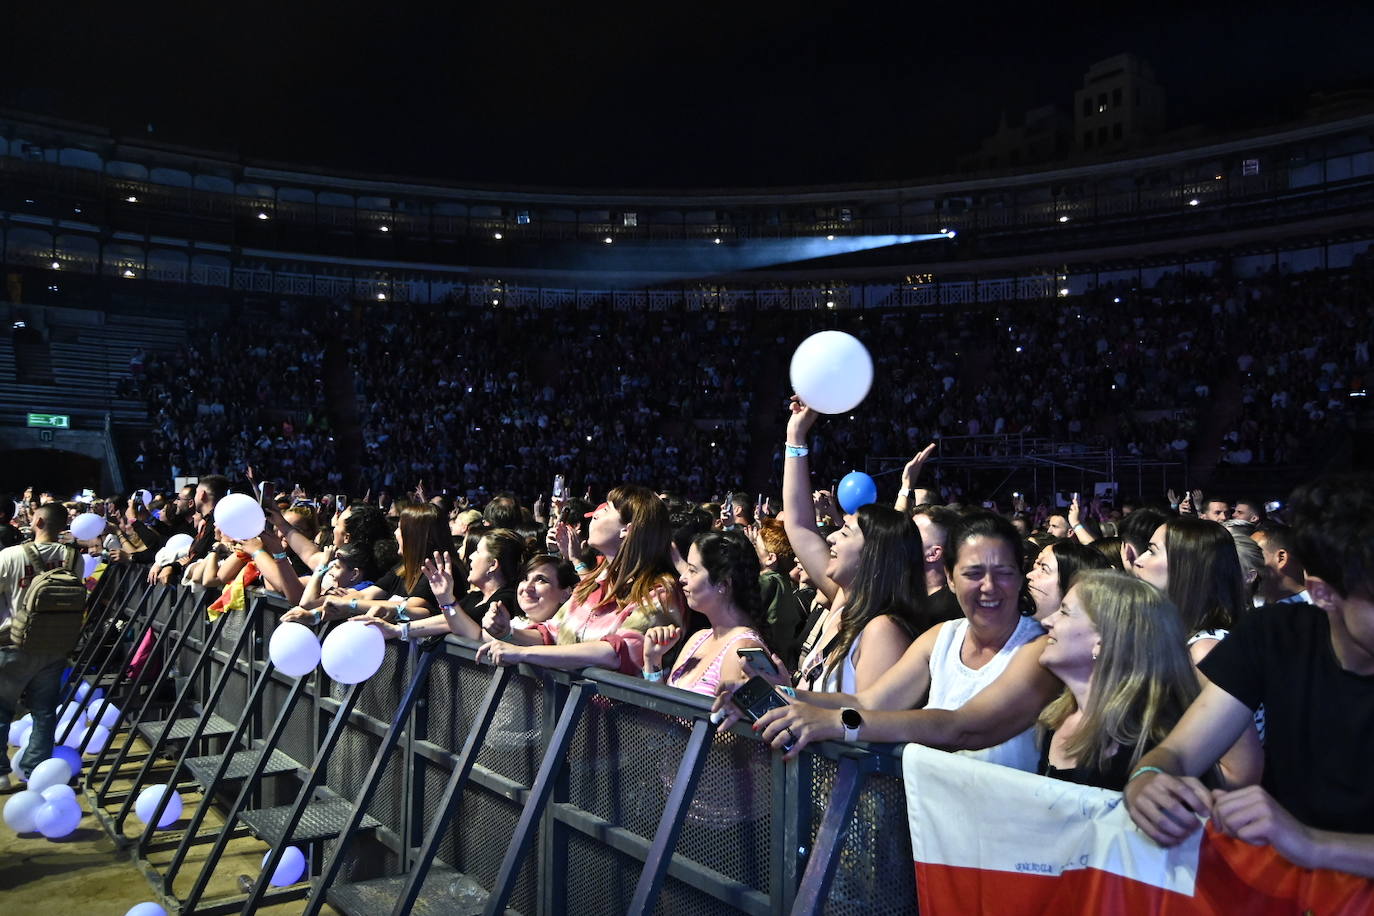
(286, 173)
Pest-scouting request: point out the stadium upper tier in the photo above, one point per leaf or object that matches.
(77, 199)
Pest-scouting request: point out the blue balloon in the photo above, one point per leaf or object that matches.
(856, 490)
(69, 754)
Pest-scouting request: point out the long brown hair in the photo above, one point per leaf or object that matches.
(643, 562)
(1205, 578)
(423, 531)
(1143, 680)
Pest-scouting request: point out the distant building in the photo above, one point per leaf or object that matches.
(1120, 107)
(1041, 135)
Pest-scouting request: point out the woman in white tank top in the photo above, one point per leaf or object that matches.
(972, 685)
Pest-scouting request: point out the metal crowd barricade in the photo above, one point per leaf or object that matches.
(457, 787)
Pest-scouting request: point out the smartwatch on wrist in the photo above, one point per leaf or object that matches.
(852, 722)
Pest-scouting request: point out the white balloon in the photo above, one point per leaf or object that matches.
(87, 526)
(99, 737)
(82, 688)
(178, 543)
(51, 772)
(294, 649)
(832, 371)
(239, 516)
(289, 869)
(353, 652)
(19, 732)
(146, 909)
(90, 564)
(57, 819)
(146, 805)
(109, 716)
(21, 808)
(59, 794)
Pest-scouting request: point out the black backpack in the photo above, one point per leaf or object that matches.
(48, 619)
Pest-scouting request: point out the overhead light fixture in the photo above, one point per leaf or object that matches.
(386, 228)
(830, 238)
(1193, 203)
(609, 240)
(262, 214)
(1063, 291)
(131, 199)
(56, 265)
(381, 297)
(717, 241)
(129, 273)
(1063, 219)
(498, 236)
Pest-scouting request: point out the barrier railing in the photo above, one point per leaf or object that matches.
(443, 785)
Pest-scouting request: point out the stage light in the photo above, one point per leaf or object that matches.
(76, 210)
(830, 238)
(1218, 178)
(496, 302)
(129, 273)
(1018, 349)
(609, 240)
(1194, 202)
(830, 304)
(498, 236)
(386, 228)
(1116, 299)
(1063, 219)
(381, 297)
(717, 241)
(262, 214)
(131, 199)
(1063, 291)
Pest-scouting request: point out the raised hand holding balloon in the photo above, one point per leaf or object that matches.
(831, 371)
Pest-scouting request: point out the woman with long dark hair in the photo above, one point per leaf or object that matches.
(404, 593)
(720, 582)
(603, 624)
(870, 569)
(1053, 570)
(1194, 562)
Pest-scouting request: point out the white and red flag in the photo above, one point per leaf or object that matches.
(991, 839)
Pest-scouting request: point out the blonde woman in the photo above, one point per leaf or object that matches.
(1117, 644)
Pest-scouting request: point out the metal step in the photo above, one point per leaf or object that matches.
(445, 893)
(322, 820)
(182, 728)
(202, 769)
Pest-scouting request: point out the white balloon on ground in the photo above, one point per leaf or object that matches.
(99, 737)
(21, 808)
(51, 772)
(239, 517)
(831, 371)
(146, 909)
(57, 819)
(59, 793)
(353, 652)
(294, 649)
(87, 526)
(19, 730)
(289, 869)
(179, 543)
(145, 806)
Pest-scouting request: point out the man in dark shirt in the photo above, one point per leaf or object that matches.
(1312, 668)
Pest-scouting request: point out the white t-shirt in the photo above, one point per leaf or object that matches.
(13, 579)
(952, 684)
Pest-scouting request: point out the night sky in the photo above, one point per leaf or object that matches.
(651, 95)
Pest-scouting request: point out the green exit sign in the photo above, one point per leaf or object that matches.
(50, 420)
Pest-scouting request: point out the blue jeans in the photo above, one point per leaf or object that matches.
(38, 681)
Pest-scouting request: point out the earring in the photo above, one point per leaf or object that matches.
(1095, 651)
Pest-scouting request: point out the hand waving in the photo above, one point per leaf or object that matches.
(439, 572)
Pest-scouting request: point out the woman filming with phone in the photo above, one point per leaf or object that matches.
(721, 582)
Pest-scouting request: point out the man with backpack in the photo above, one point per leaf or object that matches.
(42, 600)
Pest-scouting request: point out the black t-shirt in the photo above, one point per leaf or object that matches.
(476, 606)
(1319, 718)
(393, 584)
(1113, 777)
(942, 606)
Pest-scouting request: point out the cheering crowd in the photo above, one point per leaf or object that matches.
(1204, 658)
